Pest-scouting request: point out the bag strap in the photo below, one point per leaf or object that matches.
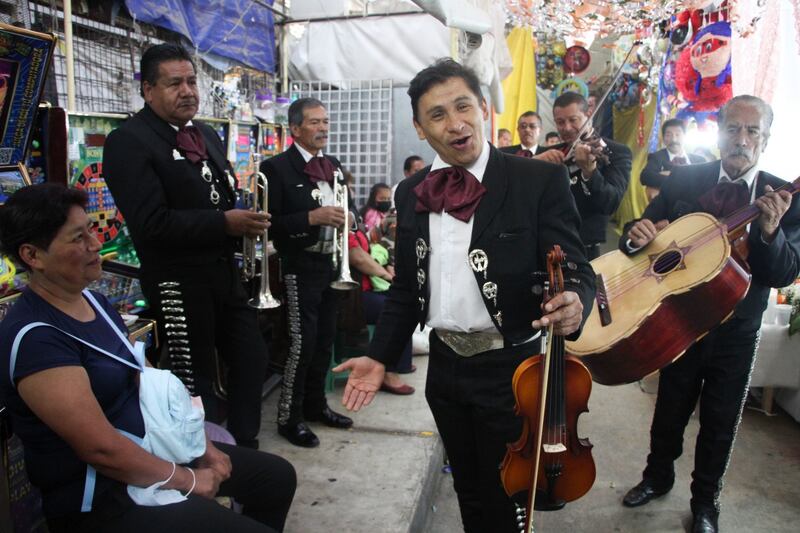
(137, 355)
(26, 329)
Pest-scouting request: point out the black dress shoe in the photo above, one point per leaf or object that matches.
(299, 434)
(642, 493)
(331, 419)
(705, 521)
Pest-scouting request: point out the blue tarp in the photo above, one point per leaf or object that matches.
(236, 29)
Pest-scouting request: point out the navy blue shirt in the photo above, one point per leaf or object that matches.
(51, 463)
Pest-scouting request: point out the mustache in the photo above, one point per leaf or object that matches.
(739, 152)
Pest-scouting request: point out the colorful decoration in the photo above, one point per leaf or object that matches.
(549, 62)
(703, 72)
(576, 59)
(572, 85)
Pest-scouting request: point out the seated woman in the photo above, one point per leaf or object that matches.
(70, 403)
(364, 266)
(378, 205)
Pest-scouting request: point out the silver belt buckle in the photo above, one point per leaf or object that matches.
(469, 344)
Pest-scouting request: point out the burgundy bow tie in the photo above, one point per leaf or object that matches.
(319, 169)
(679, 161)
(191, 143)
(725, 198)
(524, 153)
(452, 190)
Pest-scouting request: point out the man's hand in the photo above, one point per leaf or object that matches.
(644, 231)
(773, 206)
(240, 222)
(326, 216)
(665, 172)
(216, 460)
(564, 312)
(551, 156)
(585, 159)
(366, 376)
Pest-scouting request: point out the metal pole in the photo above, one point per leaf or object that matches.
(69, 57)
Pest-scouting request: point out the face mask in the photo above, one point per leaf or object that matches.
(383, 207)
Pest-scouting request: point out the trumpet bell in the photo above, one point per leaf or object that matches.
(264, 301)
(344, 285)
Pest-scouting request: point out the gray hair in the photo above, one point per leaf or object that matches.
(298, 107)
(764, 109)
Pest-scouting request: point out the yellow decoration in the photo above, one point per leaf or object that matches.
(626, 128)
(519, 87)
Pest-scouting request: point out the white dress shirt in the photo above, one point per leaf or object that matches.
(456, 303)
(532, 148)
(682, 154)
(324, 187)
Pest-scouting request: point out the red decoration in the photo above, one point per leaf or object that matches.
(576, 60)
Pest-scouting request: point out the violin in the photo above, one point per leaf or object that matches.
(549, 465)
(598, 148)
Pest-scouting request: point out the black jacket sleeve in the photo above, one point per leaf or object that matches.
(651, 174)
(287, 223)
(608, 184)
(138, 189)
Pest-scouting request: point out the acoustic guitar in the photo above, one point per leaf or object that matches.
(651, 306)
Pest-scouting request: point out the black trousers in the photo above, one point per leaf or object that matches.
(262, 483)
(203, 313)
(717, 371)
(311, 310)
(473, 405)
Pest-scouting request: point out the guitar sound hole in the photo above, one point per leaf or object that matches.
(667, 262)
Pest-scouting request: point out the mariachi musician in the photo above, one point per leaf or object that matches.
(301, 197)
(172, 182)
(599, 170)
(472, 236)
(717, 368)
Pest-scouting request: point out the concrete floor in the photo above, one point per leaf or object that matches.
(384, 474)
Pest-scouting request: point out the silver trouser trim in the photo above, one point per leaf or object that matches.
(469, 344)
(177, 349)
(738, 420)
(295, 345)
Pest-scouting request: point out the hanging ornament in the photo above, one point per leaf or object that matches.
(576, 59)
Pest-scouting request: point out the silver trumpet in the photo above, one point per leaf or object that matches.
(341, 251)
(255, 198)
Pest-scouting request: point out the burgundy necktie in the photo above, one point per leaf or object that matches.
(524, 153)
(319, 169)
(725, 198)
(452, 190)
(679, 160)
(191, 143)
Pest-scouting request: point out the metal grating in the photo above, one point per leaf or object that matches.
(360, 114)
(107, 57)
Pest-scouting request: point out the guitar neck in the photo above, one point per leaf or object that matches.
(744, 216)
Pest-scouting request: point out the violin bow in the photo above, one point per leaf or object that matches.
(587, 125)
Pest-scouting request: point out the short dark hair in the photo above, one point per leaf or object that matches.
(569, 98)
(441, 71)
(157, 54)
(410, 160)
(34, 214)
(673, 123)
(299, 107)
(747, 99)
(372, 200)
(527, 114)
(550, 135)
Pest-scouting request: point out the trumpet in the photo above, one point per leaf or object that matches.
(341, 257)
(256, 200)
